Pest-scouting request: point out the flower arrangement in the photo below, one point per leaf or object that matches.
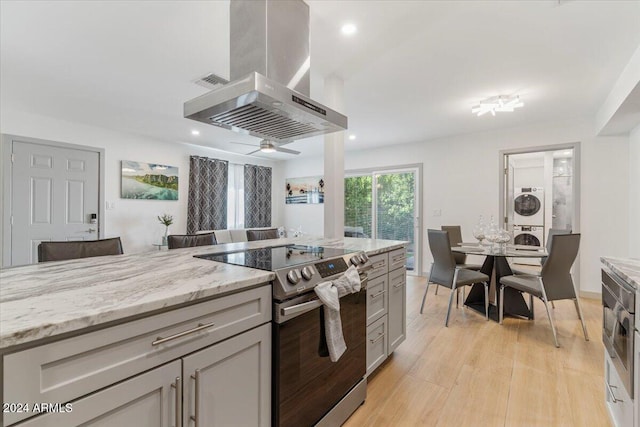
(165, 220)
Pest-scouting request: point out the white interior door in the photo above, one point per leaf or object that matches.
(54, 192)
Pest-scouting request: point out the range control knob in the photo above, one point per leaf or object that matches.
(355, 260)
(293, 276)
(307, 273)
(364, 258)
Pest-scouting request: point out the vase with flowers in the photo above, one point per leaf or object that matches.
(165, 220)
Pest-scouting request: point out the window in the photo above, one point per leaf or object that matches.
(384, 204)
(235, 195)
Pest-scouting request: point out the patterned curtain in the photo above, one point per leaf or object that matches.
(207, 205)
(257, 196)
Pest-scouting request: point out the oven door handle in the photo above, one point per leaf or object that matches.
(301, 308)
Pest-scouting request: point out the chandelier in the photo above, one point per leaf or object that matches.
(497, 103)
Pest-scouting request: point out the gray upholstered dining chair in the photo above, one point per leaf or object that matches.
(455, 237)
(552, 232)
(554, 282)
(176, 241)
(60, 251)
(264, 234)
(444, 271)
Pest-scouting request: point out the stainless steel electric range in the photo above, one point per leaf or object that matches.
(308, 389)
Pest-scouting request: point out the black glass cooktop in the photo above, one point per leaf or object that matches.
(276, 258)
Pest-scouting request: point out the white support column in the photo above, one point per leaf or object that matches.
(334, 164)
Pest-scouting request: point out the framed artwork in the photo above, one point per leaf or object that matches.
(304, 190)
(149, 181)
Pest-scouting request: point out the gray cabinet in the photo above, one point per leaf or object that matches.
(386, 306)
(224, 332)
(377, 298)
(230, 383)
(147, 400)
(397, 308)
(377, 343)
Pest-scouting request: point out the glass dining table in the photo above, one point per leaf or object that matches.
(496, 266)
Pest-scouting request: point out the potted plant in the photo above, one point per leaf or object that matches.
(165, 220)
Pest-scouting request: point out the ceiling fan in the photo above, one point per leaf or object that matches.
(267, 146)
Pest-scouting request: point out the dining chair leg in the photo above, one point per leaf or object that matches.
(463, 296)
(457, 297)
(579, 310)
(425, 296)
(532, 316)
(553, 326)
(501, 315)
(486, 300)
(453, 292)
(437, 288)
(553, 305)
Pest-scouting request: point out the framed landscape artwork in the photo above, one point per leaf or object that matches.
(304, 190)
(149, 181)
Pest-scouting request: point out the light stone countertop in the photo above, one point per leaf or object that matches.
(43, 300)
(627, 268)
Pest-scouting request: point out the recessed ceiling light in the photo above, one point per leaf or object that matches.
(195, 132)
(349, 29)
(352, 137)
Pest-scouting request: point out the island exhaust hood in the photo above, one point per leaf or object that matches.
(268, 95)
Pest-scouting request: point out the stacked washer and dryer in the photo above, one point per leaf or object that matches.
(528, 216)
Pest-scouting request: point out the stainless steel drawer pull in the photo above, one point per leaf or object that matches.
(178, 404)
(378, 338)
(613, 396)
(378, 264)
(378, 294)
(398, 285)
(200, 327)
(398, 259)
(196, 416)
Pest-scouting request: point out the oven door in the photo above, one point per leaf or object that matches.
(617, 335)
(306, 383)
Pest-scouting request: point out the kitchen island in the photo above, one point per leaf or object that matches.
(68, 329)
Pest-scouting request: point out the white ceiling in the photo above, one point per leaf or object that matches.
(412, 72)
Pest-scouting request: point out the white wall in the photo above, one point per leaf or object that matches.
(135, 220)
(461, 179)
(634, 193)
(310, 217)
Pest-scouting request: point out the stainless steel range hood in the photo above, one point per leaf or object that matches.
(268, 96)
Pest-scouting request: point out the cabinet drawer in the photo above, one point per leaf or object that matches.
(379, 265)
(376, 344)
(377, 298)
(67, 369)
(618, 402)
(397, 259)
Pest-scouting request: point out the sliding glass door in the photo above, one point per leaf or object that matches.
(384, 204)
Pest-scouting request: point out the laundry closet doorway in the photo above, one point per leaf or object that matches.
(540, 190)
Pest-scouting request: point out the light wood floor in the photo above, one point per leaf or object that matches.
(478, 373)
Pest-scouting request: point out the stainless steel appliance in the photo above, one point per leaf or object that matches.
(618, 325)
(309, 389)
(268, 96)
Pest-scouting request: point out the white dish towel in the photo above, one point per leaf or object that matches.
(330, 293)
